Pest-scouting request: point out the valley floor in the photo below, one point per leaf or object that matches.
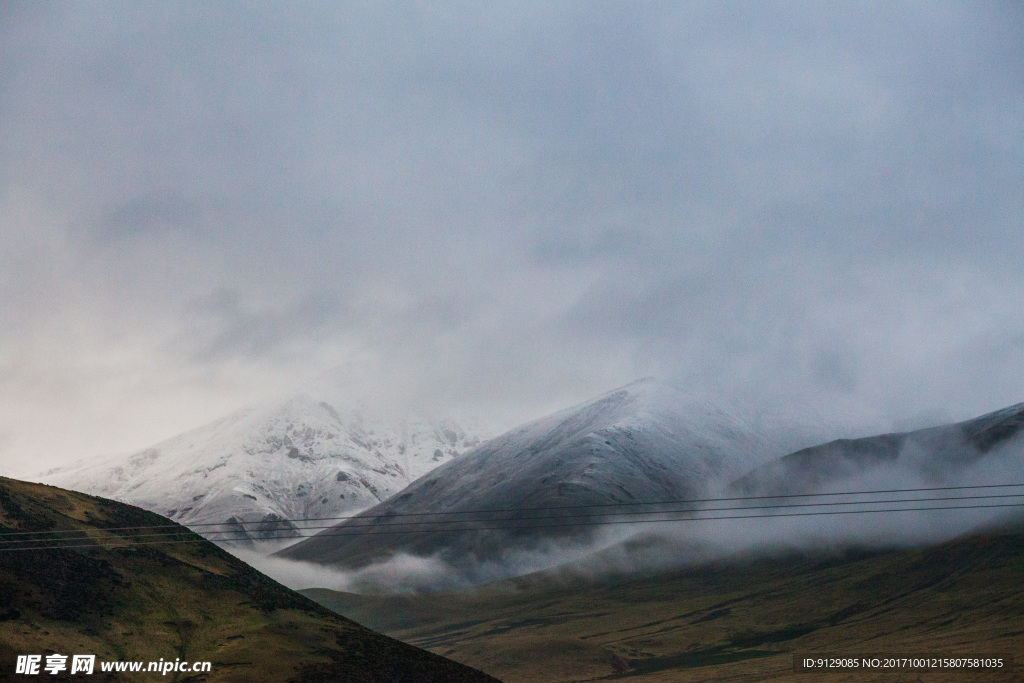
(741, 621)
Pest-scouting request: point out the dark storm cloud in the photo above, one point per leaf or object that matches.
(509, 205)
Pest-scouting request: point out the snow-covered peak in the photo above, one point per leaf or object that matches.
(299, 458)
(644, 405)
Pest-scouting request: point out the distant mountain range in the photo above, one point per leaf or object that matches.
(646, 441)
(465, 499)
(314, 455)
(529, 489)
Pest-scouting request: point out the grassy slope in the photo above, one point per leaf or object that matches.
(738, 622)
(192, 601)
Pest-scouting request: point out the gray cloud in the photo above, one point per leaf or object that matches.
(509, 205)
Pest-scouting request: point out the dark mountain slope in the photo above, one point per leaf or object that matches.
(645, 442)
(936, 454)
(191, 601)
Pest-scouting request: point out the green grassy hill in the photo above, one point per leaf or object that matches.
(191, 601)
(738, 621)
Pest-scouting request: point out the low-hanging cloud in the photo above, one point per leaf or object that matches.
(404, 573)
(511, 206)
(632, 548)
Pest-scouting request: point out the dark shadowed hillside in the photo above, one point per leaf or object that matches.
(191, 601)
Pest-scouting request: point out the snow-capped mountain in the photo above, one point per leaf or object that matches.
(303, 458)
(647, 441)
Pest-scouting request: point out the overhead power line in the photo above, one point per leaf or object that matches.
(500, 524)
(443, 525)
(200, 539)
(682, 501)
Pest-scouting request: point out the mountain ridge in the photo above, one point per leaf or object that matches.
(645, 441)
(936, 454)
(257, 468)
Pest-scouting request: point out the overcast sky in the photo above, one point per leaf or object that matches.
(508, 207)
